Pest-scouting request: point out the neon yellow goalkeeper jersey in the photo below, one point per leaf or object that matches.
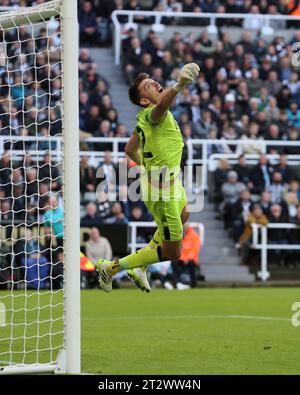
(160, 144)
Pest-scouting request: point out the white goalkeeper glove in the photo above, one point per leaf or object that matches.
(187, 74)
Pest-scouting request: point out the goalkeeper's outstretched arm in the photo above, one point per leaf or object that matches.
(187, 75)
(132, 149)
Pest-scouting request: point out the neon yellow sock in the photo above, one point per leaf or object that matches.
(156, 239)
(143, 257)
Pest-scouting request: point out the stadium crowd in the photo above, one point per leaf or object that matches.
(246, 91)
(95, 16)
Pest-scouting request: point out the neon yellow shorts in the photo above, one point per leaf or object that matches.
(166, 208)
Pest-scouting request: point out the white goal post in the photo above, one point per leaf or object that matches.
(39, 198)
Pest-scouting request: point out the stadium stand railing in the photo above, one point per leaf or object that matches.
(212, 17)
(133, 226)
(205, 161)
(264, 246)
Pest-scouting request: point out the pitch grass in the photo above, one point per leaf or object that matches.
(200, 331)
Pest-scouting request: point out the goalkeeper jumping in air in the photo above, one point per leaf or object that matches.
(156, 145)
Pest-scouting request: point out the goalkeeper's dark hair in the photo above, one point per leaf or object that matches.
(133, 91)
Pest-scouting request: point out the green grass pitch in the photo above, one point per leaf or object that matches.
(199, 331)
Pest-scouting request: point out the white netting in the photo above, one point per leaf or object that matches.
(31, 212)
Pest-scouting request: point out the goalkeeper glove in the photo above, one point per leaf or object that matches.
(187, 74)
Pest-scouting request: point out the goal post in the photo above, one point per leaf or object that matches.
(72, 200)
(39, 190)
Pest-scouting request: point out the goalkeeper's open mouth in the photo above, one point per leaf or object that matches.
(161, 90)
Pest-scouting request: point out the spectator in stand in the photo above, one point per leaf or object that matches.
(220, 177)
(255, 217)
(252, 135)
(274, 134)
(6, 220)
(239, 213)
(204, 125)
(54, 221)
(209, 5)
(32, 186)
(189, 258)
(46, 145)
(91, 77)
(230, 191)
(253, 23)
(277, 236)
(254, 83)
(98, 247)
(260, 176)
(104, 205)
(194, 109)
(229, 133)
(275, 23)
(93, 119)
(112, 117)
(84, 61)
(265, 202)
(133, 59)
(118, 217)
(282, 123)
(146, 65)
(284, 97)
(294, 85)
(95, 248)
(272, 110)
(105, 105)
(18, 205)
(103, 9)
(294, 187)
(98, 91)
(273, 84)
(18, 179)
(88, 24)
(31, 262)
(48, 173)
(5, 172)
(243, 171)
(253, 109)
(108, 172)
(293, 113)
(293, 136)
(87, 176)
(292, 202)
(284, 169)
(92, 217)
(276, 188)
(121, 130)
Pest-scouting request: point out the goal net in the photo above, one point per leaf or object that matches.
(32, 189)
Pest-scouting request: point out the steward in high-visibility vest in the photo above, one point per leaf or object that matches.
(294, 7)
(85, 264)
(191, 244)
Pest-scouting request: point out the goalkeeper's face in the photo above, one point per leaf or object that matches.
(150, 92)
